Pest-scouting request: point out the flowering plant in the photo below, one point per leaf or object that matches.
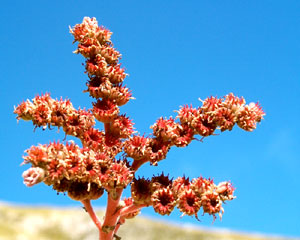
(86, 172)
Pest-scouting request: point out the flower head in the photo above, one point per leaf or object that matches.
(163, 201)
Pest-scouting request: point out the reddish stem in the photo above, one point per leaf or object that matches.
(120, 222)
(137, 163)
(124, 211)
(106, 127)
(88, 207)
(132, 208)
(111, 216)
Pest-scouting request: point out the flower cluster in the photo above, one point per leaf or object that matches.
(84, 173)
(222, 113)
(104, 71)
(45, 111)
(215, 113)
(189, 196)
(79, 171)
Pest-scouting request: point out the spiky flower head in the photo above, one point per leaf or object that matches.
(163, 201)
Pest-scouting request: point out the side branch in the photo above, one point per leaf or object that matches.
(132, 208)
(88, 207)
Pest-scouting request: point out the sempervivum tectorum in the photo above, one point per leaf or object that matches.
(226, 118)
(188, 202)
(160, 181)
(127, 203)
(33, 175)
(212, 204)
(78, 122)
(141, 191)
(233, 102)
(105, 111)
(94, 139)
(38, 111)
(96, 66)
(249, 115)
(210, 104)
(89, 29)
(137, 147)
(204, 124)
(119, 175)
(163, 201)
(180, 184)
(186, 135)
(80, 191)
(225, 191)
(187, 114)
(60, 110)
(166, 129)
(116, 74)
(158, 150)
(121, 127)
(201, 185)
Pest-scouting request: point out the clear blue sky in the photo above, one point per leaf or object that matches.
(175, 52)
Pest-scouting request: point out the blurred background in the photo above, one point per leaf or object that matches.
(174, 52)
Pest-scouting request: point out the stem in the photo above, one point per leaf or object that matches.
(131, 208)
(111, 216)
(120, 222)
(106, 127)
(137, 163)
(88, 207)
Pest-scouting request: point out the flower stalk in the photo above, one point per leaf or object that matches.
(86, 172)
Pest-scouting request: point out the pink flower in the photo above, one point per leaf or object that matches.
(33, 176)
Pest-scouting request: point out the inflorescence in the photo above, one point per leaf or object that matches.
(84, 173)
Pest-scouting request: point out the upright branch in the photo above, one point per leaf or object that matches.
(86, 172)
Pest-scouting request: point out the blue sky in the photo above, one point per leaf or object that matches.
(175, 52)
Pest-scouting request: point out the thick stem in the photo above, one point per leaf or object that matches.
(111, 215)
(106, 127)
(137, 163)
(88, 207)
